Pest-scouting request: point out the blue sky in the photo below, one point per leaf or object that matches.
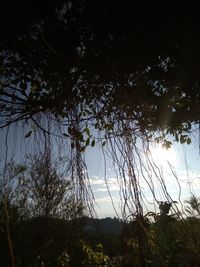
(185, 160)
(185, 163)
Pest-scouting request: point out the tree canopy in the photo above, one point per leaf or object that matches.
(101, 72)
(97, 71)
(102, 61)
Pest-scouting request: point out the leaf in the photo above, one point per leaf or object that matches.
(167, 144)
(176, 137)
(66, 135)
(87, 130)
(69, 130)
(189, 126)
(82, 148)
(72, 145)
(183, 139)
(28, 134)
(104, 143)
(88, 111)
(87, 142)
(93, 143)
(81, 138)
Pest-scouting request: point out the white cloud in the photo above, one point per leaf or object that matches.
(99, 184)
(103, 199)
(95, 180)
(101, 190)
(110, 169)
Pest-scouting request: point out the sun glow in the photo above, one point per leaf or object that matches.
(163, 156)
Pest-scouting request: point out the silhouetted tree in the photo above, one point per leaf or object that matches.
(98, 72)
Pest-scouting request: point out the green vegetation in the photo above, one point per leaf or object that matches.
(107, 76)
(45, 241)
(48, 228)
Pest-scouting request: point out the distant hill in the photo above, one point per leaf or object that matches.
(106, 225)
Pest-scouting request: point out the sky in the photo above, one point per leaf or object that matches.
(185, 167)
(183, 159)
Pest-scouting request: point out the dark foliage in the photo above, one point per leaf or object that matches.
(132, 62)
(50, 241)
(123, 69)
